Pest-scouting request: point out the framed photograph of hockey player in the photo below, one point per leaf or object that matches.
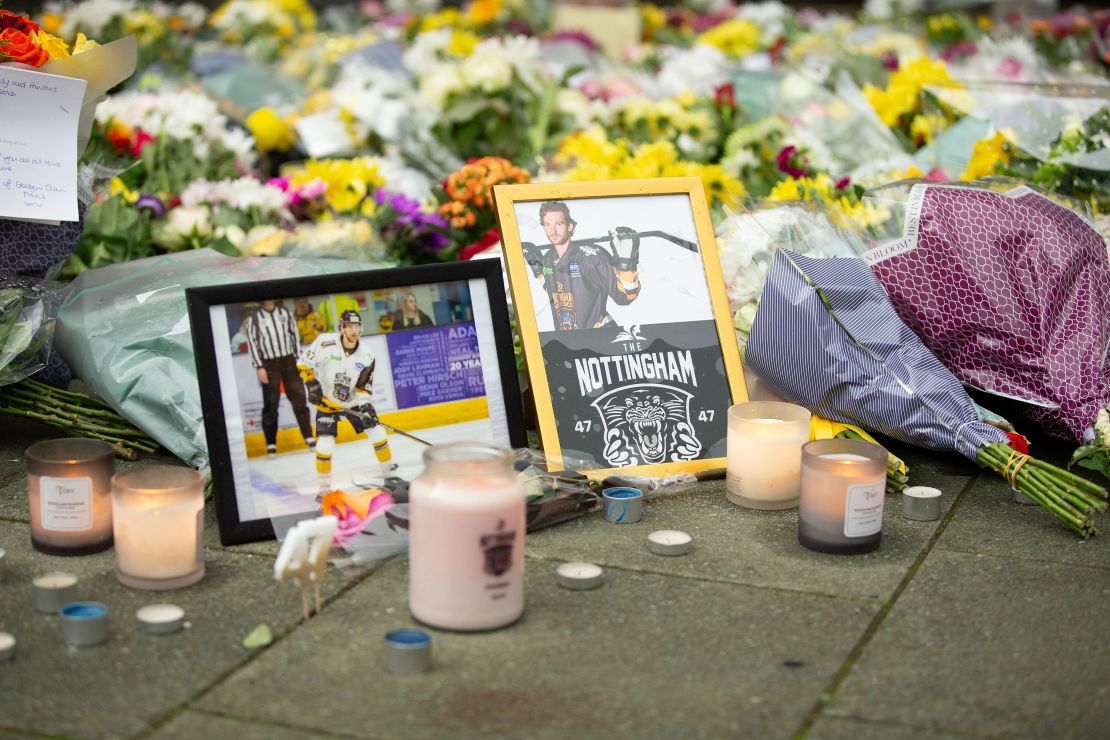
(312, 386)
(624, 321)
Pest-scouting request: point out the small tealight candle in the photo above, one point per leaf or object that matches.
(407, 651)
(765, 441)
(51, 591)
(622, 505)
(921, 503)
(669, 542)
(159, 521)
(160, 619)
(579, 576)
(843, 490)
(68, 495)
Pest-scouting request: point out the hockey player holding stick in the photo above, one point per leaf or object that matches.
(338, 370)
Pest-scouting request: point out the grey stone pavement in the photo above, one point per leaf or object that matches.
(988, 623)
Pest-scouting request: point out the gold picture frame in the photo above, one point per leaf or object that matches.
(651, 371)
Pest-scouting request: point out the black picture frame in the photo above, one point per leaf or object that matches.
(234, 529)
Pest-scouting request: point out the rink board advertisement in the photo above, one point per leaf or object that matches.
(624, 322)
(316, 388)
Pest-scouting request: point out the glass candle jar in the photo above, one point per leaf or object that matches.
(843, 490)
(159, 522)
(69, 495)
(466, 538)
(765, 441)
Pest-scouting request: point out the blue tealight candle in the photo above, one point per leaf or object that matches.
(622, 505)
(84, 623)
(407, 651)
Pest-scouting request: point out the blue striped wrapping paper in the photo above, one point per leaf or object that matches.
(863, 366)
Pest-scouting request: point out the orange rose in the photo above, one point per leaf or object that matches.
(16, 46)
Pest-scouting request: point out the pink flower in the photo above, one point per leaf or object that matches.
(792, 162)
(1009, 68)
(843, 183)
(142, 138)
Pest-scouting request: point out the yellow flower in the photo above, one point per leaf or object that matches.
(146, 26)
(735, 37)
(484, 12)
(925, 128)
(462, 43)
(270, 131)
(590, 146)
(984, 22)
(54, 46)
(83, 44)
(51, 22)
(446, 18)
(348, 182)
(653, 19)
(117, 187)
(903, 92)
(986, 156)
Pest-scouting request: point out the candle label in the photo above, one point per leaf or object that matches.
(863, 511)
(498, 550)
(65, 504)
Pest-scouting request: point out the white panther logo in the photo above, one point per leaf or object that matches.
(647, 424)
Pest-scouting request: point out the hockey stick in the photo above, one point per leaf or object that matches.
(403, 433)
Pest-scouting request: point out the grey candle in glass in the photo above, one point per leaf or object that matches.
(843, 490)
(69, 483)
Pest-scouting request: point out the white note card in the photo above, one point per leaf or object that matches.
(38, 144)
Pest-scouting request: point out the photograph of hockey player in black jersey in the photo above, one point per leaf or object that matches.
(630, 347)
(375, 393)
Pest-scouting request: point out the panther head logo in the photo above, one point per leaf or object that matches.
(647, 424)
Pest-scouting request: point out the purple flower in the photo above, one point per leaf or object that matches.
(151, 203)
(889, 61)
(576, 36)
(843, 183)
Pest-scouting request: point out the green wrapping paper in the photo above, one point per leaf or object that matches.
(125, 332)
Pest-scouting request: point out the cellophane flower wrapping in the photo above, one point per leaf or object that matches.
(827, 337)
(1010, 289)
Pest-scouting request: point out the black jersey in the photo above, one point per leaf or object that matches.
(580, 283)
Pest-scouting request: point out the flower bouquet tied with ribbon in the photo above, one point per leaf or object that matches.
(1011, 290)
(826, 336)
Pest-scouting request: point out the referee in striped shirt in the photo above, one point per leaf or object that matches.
(274, 345)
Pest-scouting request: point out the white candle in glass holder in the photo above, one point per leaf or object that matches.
(158, 516)
(843, 492)
(765, 441)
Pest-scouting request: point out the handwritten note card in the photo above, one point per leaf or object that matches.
(38, 144)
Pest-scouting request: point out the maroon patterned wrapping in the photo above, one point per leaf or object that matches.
(1011, 291)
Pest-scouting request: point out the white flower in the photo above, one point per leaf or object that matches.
(184, 224)
(439, 82)
(400, 178)
(887, 9)
(235, 235)
(243, 194)
(93, 16)
(769, 16)
(427, 50)
(488, 68)
(699, 69)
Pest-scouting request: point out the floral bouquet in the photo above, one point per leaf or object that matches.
(262, 27)
(827, 337)
(1011, 290)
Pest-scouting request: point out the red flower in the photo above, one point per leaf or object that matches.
(21, 23)
(470, 251)
(725, 95)
(843, 183)
(1018, 442)
(142, 138)
(792, 162)
(777, 48)
(17, 46)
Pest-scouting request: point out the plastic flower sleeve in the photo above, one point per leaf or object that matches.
(28, 309)
(827, 337)
(1010, 289)
(125, 331)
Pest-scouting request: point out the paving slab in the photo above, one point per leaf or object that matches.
(844, 728)
(191, 725)
(986, 645)
(643, 655)
(757, 548)
(119, 688)
(990, 522)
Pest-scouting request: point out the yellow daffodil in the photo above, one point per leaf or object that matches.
(348, 182)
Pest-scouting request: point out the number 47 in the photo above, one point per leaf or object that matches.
(583, 426)
(707, 415)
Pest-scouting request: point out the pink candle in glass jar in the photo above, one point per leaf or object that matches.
(466, 546)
